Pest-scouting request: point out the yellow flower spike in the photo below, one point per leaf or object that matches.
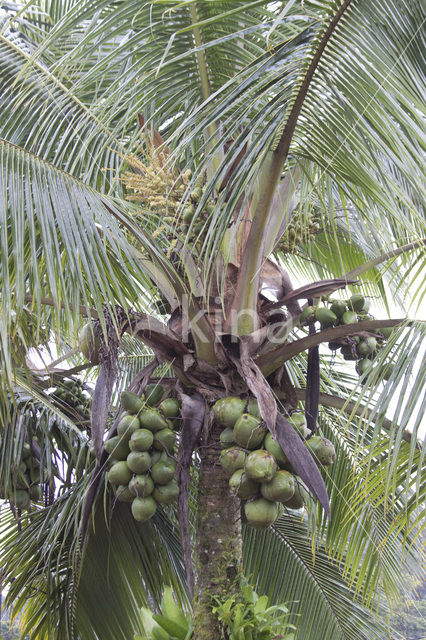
(158, 231)
(172, 246)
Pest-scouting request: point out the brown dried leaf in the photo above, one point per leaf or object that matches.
(301, 460)
(156, 139)
(258, 385)
(312, 385)
(314, 290)
(275, 358)
(193, 413)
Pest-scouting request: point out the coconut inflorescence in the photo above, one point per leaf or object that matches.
(259, 470)
(142, 462)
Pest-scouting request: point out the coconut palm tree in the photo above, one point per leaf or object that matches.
(196, 179)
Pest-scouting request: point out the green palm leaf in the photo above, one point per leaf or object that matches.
(287, 570)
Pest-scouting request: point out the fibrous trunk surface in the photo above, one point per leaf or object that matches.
(218, 548)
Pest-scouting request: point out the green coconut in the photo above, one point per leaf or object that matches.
(156, 456)
(232, 459)
(227, 411)
(163, 494)
(253, 408)
(164, 440)
(249, 431)
(357, 302)
(261, 513)
(349, 317)
(141, 440)
(36, 492)
(308, 315)
(364, 366)
(89, 343)
(298, 422)
(242, 486)
(338, 307)
(386, 332)
(188, 214)
(227, 438)
(280, 488)
(139, 461)
(170, 407)
(274, 448)
(325, 317)
(20, 499)
(363, 349)
(300, 495)
(141, 485)
(371, 343)
(34, 473)
(143, 508)
(260, 465)
(163, 471)
(119, 473)
(131, 402)
(153, 394)
(25, 451)
(322, 450)
(153, 420)
(124, 494)
(126, 426)
(117, 447)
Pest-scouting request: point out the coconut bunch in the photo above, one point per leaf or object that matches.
(71, 399)
(142, 462)
(24, 485)
(301, 229)
(191, 216)
(260, 472)
(361, 348)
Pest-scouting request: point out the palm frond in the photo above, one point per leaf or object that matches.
(64, 242)
(63, 593)
(283, 566)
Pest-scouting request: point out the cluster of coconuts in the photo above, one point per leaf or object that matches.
(24, 486)
(301, 229)
(336, 312)
(72, 399)
(190, 211)
(260, 472)
(142, 461)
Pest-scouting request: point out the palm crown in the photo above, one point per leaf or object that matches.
(167, 170)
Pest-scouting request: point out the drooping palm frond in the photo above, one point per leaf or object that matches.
(353, 158)
(68, 590)
(40, 113)
(285, 568)
(66, 245)
(374, 496)
(384, 258)
(124, 567)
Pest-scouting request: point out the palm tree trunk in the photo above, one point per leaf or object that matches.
(218, 547)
